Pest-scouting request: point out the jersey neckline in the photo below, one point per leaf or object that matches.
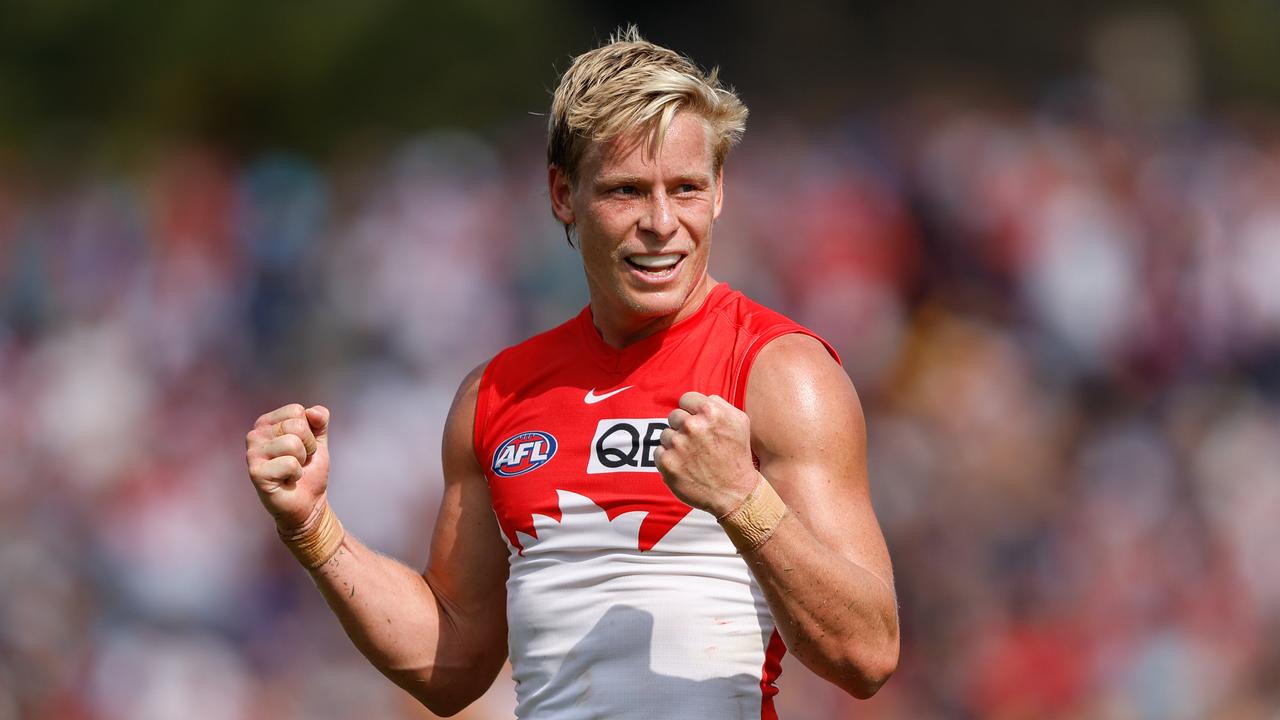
(623, 360)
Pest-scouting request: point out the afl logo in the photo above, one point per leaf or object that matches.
(521, 453)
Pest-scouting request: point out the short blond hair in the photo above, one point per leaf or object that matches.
(629, 85)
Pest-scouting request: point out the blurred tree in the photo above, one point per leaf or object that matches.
(124, 76)
(246, 75)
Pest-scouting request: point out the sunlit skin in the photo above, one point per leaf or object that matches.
(827, 578)
(625, 200)
(825, 572)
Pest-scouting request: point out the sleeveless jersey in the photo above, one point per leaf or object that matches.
(622, 601)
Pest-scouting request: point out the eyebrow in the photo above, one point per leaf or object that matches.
(695, 178)
(620, 180)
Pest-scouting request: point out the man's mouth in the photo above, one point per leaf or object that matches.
(655, 265)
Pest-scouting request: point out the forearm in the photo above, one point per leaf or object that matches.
(387, 610)
(441, 637)
(838, 617)
(408, 631)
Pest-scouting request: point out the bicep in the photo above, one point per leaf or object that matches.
(468, 561)
(809, 434)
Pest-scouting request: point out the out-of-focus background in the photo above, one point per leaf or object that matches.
(1044, 236)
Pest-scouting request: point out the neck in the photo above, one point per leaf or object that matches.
(619, 327)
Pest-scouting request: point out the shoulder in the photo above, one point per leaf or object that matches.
(745, 312)
(460, 423)
(758, 324)
(768, 340)
(798, 394)
(548, 342)
(512, 373)
(506, 377)
(794, 364)
(464, 399)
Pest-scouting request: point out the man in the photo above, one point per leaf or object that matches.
(677, 475)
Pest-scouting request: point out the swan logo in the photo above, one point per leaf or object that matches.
(521, 453)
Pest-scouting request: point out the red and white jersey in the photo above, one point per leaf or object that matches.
(622, 601)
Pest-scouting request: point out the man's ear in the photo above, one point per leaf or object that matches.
(719, 199)
(560, 188)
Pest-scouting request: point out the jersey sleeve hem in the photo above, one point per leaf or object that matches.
(743, 371)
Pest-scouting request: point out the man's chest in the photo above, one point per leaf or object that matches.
(593, 439)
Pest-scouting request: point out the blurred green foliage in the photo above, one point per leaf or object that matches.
(248, 74)
(1243, 42)
(126, 75)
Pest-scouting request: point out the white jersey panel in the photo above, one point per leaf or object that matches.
(601, 630)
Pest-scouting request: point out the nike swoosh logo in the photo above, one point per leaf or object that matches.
(592, 398)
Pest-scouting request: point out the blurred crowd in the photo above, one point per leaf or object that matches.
(1064, 326)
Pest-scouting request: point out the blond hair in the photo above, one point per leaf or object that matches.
(629, 85)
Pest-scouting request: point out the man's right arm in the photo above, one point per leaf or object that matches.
(442, 635)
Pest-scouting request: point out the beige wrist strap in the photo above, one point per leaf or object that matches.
(314, 545)
(756, 517)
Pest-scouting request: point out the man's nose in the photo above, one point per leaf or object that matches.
(658, 217)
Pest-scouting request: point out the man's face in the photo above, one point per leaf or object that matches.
(643, 222)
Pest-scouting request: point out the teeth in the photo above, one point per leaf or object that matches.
(655, 262)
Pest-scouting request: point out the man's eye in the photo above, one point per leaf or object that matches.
(687, 188)
(625, 190)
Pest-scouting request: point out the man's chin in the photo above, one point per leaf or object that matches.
(649, 308)
(655, 303)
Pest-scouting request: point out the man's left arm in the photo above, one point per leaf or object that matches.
(823, 565)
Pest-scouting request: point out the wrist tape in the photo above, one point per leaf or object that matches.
(756, 518)
(315, 544)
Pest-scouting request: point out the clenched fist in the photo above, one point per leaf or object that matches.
(288, 455)
(705, 456)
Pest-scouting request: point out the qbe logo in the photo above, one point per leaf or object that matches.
(625, 445)
(521, 453)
